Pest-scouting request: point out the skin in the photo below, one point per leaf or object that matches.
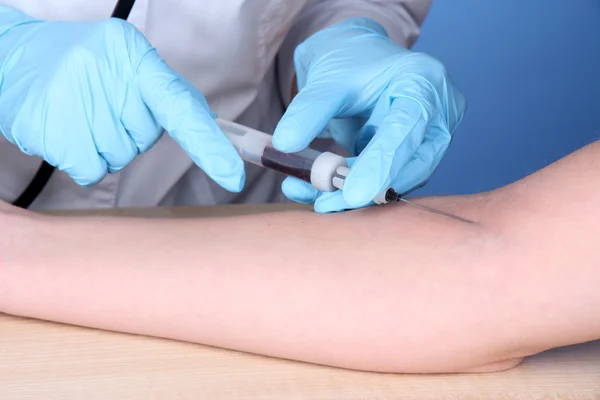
(389, 288)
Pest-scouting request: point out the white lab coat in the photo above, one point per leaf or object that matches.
(238, 53)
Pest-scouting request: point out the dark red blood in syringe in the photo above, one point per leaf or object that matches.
(287, 163)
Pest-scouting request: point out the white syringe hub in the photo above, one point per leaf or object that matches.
(323, 171)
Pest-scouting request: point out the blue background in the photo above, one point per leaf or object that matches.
(530, 71)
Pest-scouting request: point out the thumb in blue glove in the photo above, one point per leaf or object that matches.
(89, 96)
(395, 110)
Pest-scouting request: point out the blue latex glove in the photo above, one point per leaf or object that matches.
(394, 109)
(89, 96)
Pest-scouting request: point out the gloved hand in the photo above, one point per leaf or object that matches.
(394, 109)
(89, 96)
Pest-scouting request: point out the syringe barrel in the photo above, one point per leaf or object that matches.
(299, 165)
(315, 167)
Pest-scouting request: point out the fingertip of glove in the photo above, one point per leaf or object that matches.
(364, 182)
(359, 192)
(238, 179)
(233, 183)
(285, 137)
(90, 175)
(227, 170)
(331, 202)
(299, 191)
(88, 183)
(355, 199)
(216, 156)
(240, 184)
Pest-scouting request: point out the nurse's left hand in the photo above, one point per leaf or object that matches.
(394, 109)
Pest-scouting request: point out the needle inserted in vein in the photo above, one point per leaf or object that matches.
(436, 211)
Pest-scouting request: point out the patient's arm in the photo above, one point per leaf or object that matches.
(390, 288)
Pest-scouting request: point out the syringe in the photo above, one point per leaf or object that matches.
(315, 167)
(325, 171)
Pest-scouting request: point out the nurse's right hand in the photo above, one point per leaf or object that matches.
(90, 96)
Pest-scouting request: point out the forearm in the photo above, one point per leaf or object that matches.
(552, 226)
(357, 290)
(387, 288)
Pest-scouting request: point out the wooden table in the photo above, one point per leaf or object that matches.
(40, 360)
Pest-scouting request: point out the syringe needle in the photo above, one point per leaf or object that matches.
(436, 210)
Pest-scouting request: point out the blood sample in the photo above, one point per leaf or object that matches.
(298, 165)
